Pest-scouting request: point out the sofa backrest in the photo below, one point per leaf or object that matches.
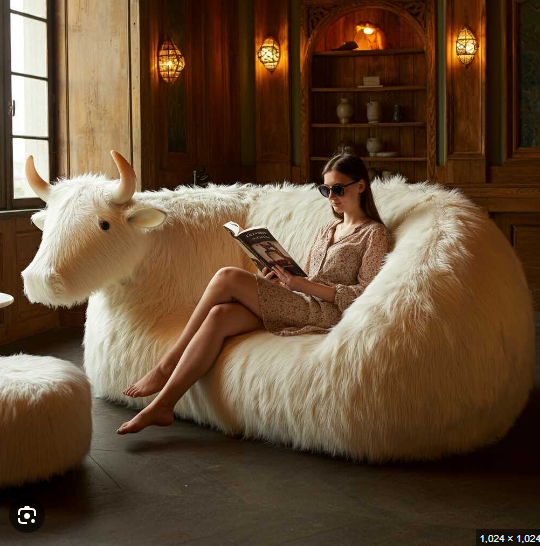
(444, 248)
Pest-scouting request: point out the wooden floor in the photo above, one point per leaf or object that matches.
(187, 484)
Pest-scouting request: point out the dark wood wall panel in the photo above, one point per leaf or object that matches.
(177, 115)
(4, 274)
(526, 242)
(223, 120)
(149, 136)
(204, 100)
(466, 104)
(19, 241)
(523, 232)
(272, 95)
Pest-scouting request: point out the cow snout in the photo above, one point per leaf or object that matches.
(42, 287)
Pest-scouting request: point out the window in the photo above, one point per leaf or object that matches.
(523, 103)
(25, 122)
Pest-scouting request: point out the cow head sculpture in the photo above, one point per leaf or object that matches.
(93, 234)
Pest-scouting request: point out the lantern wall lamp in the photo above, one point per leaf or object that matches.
(269, 53)
(466, 46)
(170, 61)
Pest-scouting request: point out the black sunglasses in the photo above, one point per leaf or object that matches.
(338, 189)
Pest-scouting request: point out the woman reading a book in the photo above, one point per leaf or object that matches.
(346, 255)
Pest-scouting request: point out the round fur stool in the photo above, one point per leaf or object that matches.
(45, 417)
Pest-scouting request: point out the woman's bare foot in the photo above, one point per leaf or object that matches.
(151, 415)
(151, 383)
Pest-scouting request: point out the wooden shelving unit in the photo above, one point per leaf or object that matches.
(406, 71)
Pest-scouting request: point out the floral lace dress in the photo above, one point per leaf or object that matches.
(349, 264)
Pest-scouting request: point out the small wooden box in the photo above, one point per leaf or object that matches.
(371, 80)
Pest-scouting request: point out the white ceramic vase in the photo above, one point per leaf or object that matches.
(373, 145)
(345, 111)
(374, 114)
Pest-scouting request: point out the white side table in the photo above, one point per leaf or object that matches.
(5, 299)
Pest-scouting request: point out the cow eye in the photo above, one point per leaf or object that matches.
(104, 225)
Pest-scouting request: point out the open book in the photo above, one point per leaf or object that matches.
(262, 248)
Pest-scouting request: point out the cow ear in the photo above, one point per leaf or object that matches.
(38, 218)
(147, 218)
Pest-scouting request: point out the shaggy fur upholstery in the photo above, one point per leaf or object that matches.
(434, 358)
(45, 417)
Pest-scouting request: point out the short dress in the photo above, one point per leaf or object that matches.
(349, 264)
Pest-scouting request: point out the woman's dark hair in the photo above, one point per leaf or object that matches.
(352, 166)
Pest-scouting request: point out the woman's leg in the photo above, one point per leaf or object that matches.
(223, 320)
(228, 284)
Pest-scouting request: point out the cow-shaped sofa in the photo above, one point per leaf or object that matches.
(434, 358)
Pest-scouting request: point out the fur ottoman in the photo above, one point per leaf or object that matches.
(45, 417)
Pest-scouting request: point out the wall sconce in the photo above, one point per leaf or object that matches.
(170, 61)
(369, 36)
(466, 46)
(269, 53)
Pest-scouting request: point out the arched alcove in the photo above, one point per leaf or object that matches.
(407, 75)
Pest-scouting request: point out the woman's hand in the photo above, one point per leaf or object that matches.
(283, 277)
(270, 275)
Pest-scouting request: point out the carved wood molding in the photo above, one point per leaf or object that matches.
(318, 10)
(417, 8)
(465, 96)
(316, 14)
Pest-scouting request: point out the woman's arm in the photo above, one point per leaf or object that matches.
(323, 291)
(296, 283)
(343, 295)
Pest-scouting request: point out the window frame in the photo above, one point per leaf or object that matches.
(514, 153)
(7, 199)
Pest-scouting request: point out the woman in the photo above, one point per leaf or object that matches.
(346, 255)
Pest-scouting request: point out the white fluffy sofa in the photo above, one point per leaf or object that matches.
(435, 357)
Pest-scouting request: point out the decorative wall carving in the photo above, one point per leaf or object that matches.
(318, 11)
(315, 15)
(417, 8)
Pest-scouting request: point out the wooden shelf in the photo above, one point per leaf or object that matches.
(368, 53)
(383, 124)
(368, 89)
(376, 159)
(405, 70)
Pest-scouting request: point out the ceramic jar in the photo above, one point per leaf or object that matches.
(397, 113)
(374, 113)
(345, 111)
(373, 145)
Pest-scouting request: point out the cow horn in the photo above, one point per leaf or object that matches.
(128, 179)
(37, 183)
